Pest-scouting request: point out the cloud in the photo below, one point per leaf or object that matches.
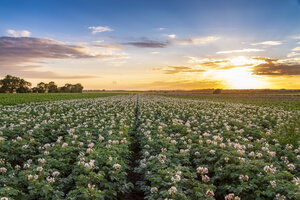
(172, 36)
(155, 52)
(177, 69)
(161, 29)
(146, 43)
(98, 41)
(19, 55)
(221, 64)
(43, 75)
(271, 43)
(21, 50)
(296, 49)
(240, 51)
(99, 29)
(276, 67)
(20, 33)
(197, 40)
(108, 46)
(292, 54)
(186, 84)
(297, 37)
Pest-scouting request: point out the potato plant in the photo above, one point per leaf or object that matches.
(188, 149)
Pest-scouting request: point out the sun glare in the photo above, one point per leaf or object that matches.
(241, 77)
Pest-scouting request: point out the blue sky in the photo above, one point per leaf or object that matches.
(152, 37)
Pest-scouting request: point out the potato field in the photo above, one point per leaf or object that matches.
(176, 149)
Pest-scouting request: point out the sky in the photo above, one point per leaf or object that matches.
(152, 44)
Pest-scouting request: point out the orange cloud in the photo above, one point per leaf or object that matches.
(177, 69)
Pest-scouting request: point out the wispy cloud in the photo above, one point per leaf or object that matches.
(161, 29)
(99, 29)
(19, 54)
(186, 84)
(197, 40)
(292, 54)
(276, 67)
(155, 52)
(297, 37)
(19, 33)
(270, 43)
(240, 51)
(108, 46)
(147, 43)
(98, 41)
(177, 69)
(144, 42)
(172, 36)
(44, 75)
(222, 64)
(296, 49)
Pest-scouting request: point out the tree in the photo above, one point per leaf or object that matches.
(66, 88)
(77, 88)
(52, 87)
(217, 91)
(11, 83)
(24, 86)
(42, 87)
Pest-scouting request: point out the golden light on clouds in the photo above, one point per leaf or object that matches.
(234, 72)
(240, 77)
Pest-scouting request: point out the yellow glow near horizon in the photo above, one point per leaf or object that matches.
(241, 77)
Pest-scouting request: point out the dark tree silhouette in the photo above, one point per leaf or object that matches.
(12, 84)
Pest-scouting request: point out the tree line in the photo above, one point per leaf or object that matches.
(12, 84)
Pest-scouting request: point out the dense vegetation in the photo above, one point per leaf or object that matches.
(12, 84)
(188, 149)
(13, 99)
(290, 102)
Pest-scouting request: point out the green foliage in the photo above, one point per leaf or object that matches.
(13, 99)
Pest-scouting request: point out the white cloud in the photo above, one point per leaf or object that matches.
(292, 54)
(198, 40)
(155, 52)
(271, 43)
(99, 29)
(172, 36)
(240, 51)
(20, 33)
(296, 49)
(99, 41)
(296, 37)
(161, 29)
